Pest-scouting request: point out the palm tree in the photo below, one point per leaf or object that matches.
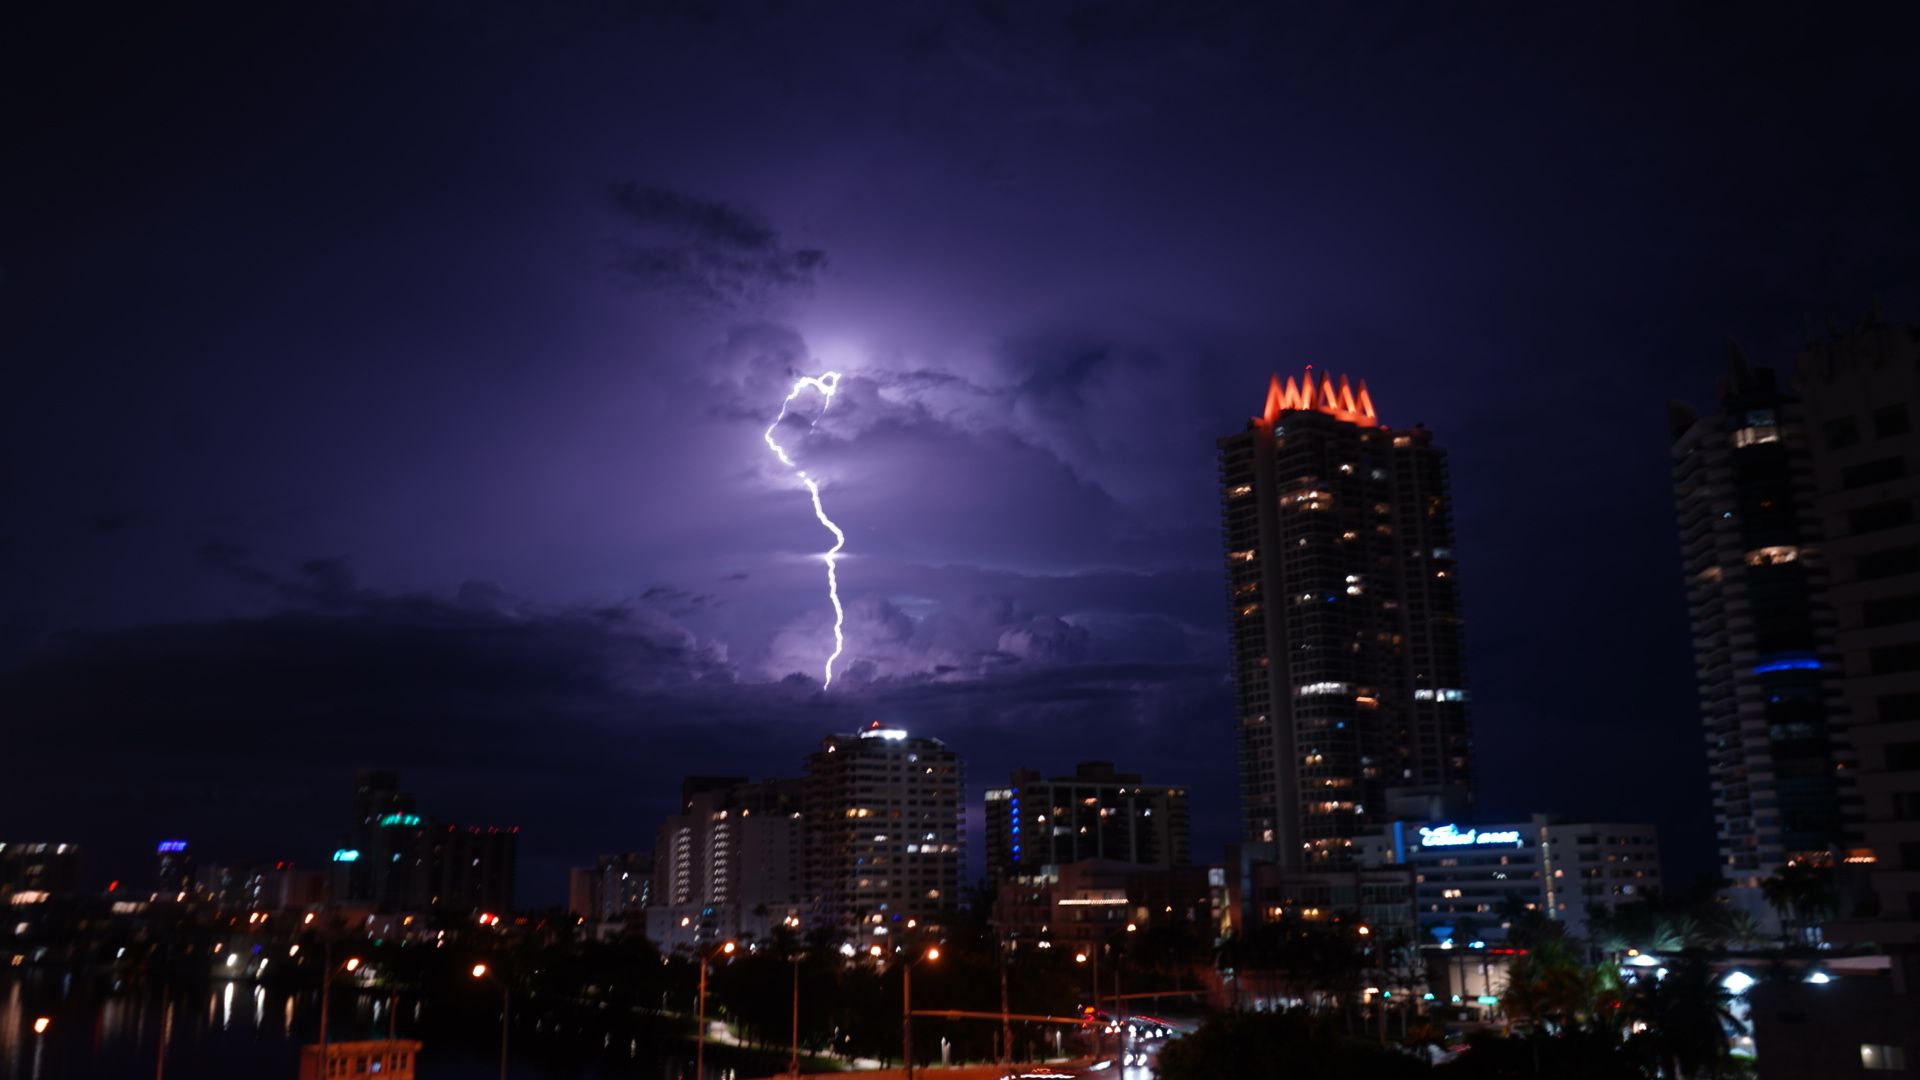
(1743, 929)
(1553, 987)
(1688, 1018)
(1801, 893)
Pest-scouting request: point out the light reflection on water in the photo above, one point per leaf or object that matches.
(105, 1032)
(112, 1032)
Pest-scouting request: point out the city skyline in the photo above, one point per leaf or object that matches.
(400, 406)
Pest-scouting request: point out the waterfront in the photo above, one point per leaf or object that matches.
(239, 1030)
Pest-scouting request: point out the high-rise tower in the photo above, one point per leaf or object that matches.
(884, 840)
(1763, 630)
(1348, 666)
(1862, 393)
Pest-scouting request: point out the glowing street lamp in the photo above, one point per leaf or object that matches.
(40, 1026)
(906, 1005)
(481, 971)
(725, 948)
(327, 971)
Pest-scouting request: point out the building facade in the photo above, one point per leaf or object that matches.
(1097, 900)
(1468, 881)
(472, 868)
(1862, 394)
(38, 871)
(731, 864)
(1779, 756)
(397, 859)
(886, 836)
(1035, 826)
(616, 888)
(1344, 600)
(173, 877)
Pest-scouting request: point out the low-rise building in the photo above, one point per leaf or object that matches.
(1095, 899)
(1469, 880)
(1034, 825)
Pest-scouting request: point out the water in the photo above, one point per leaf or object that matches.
(240, 1031)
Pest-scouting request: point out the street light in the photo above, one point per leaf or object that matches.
(1080, 958)
(793, 1054)
(40, 1026)
(327, 972)
(792, 923)
(480, 971)
(725, 948)
(906, 1006)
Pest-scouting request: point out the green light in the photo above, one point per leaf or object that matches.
(399, 819)
(346, 855)
(1487, 999)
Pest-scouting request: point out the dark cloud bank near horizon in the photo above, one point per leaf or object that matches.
(243, 734)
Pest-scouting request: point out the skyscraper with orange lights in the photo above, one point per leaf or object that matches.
(1348, 666)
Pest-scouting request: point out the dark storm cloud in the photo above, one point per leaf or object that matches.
(574, 724)
(1068, 242)
(711, 253)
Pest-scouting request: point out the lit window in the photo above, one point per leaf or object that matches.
(1239, 491)
(1754, 436)
(1321, 688)
(1773, 556)
(1241, 556)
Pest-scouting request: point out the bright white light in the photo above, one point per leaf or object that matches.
(1643, 960)
(1819, 978)
(825, 384)
(1737, 982)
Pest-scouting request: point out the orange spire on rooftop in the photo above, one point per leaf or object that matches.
(1337, 400)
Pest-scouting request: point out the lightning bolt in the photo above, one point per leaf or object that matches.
(825, 384)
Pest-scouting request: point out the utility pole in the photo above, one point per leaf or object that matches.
(326, 991)
(906, 1004)
(700, 1010)
(793, 1057)
(1006, 1025)
(906, 1016)
(166, 1030)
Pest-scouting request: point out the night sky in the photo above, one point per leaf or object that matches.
(385, 382)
